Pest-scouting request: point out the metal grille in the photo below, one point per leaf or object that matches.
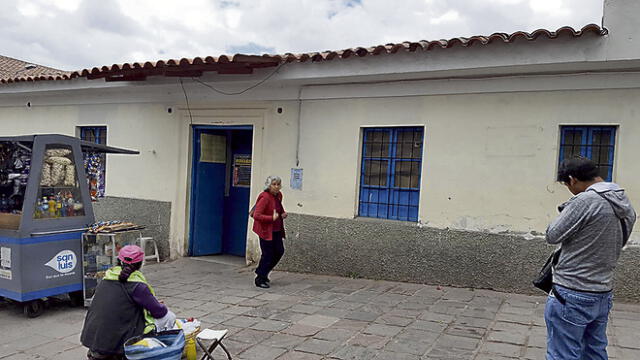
(594, 142)
(390, 176)
(94, 134)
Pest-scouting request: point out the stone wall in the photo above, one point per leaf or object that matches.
(390, 250)
(155, 215)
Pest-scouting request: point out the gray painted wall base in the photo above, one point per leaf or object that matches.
(155, 215)
(378, 249)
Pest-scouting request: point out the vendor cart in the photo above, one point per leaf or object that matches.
(45, 206)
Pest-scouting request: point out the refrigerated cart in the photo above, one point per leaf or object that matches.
(45, 206)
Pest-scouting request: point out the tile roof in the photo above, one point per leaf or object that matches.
(12, 69)
(244, 64)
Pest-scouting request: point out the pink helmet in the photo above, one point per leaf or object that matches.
(131, 254)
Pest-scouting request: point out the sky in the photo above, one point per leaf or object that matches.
(77, 34)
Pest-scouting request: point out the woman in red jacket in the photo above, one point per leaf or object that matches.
(268, 224)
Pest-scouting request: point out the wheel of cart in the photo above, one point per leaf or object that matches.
(33, 308)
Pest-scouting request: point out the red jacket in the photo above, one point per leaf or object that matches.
(263, 215)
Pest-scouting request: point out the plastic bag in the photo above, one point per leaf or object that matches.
(58, 160)
(70, 175)
(57, 174)
(46, 175)
(57, 152)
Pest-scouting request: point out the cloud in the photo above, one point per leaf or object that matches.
(75, 34)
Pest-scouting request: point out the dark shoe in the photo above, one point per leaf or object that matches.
(267, 280)
(261, 283)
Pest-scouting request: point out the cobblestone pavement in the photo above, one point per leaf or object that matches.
(323, 317)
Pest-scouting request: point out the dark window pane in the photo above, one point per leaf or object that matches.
(595, 142)
(603, 171)
(407, 174)
(375, 172)
(409, 145)
(377, 143)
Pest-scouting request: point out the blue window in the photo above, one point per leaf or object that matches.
(94, 134)
(390, 173)
(95, 164)
(594, 142)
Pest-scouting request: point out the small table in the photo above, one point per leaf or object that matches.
(99, 253)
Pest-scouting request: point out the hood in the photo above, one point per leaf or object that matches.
(616, 196)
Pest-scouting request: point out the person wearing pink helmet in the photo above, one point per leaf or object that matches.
(124, 306)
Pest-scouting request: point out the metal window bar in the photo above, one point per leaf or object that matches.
(391, 194)
(594, 142)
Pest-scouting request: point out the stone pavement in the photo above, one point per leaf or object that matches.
(322, 317)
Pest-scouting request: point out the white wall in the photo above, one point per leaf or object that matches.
(489, 160)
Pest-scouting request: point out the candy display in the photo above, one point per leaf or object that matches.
(94, 165)
(15, 165)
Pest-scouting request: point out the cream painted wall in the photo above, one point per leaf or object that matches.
(147, 128)
(489, 160)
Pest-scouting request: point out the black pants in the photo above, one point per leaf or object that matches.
(272, 252)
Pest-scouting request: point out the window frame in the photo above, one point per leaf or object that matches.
(393, 206)
(586, 143)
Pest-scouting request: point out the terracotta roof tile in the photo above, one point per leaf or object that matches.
(11, 68)
(244, 64)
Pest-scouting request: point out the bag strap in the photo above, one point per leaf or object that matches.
(623, 225)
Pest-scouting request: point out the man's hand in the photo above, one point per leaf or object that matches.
(284, 215)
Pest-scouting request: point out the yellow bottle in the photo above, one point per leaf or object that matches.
(190, 348)
(52, 207)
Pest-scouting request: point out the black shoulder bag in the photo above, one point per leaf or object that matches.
(544, 279)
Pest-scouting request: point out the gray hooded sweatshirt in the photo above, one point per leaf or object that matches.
(590, 233)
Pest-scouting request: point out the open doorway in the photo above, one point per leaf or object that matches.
(220, 189)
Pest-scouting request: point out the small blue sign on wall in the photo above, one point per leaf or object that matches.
(296, 179)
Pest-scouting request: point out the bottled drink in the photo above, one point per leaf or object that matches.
(45, 207)
(38, 210)
(52, 207)
(70, 203)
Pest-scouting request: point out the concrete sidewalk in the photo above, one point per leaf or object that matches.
(322, 317)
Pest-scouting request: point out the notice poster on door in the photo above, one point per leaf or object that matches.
(241, 170)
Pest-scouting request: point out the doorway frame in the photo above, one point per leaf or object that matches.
(192, 186)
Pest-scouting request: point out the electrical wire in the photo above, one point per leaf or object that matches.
(186, 99)
(241, 91)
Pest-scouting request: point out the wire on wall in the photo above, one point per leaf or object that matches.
(241, 91)
(186, 98)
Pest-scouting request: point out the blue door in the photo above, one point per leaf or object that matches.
(221, 173)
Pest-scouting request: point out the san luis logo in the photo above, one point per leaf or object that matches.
(64, 262)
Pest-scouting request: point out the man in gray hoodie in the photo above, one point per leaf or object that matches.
(592, 228)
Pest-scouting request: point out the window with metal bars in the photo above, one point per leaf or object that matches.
(390, 173)
(95, 163)
(594, 142)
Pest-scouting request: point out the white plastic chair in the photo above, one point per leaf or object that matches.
(215, 337)
(143, 244)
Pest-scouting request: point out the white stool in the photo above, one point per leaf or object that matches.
(143, 244)
(215, 337)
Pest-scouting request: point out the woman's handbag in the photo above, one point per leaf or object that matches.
(544, 280)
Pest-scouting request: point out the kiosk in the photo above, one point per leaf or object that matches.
(45, 206)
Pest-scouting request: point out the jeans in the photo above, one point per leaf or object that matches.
(272, 251)
(577, 329)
